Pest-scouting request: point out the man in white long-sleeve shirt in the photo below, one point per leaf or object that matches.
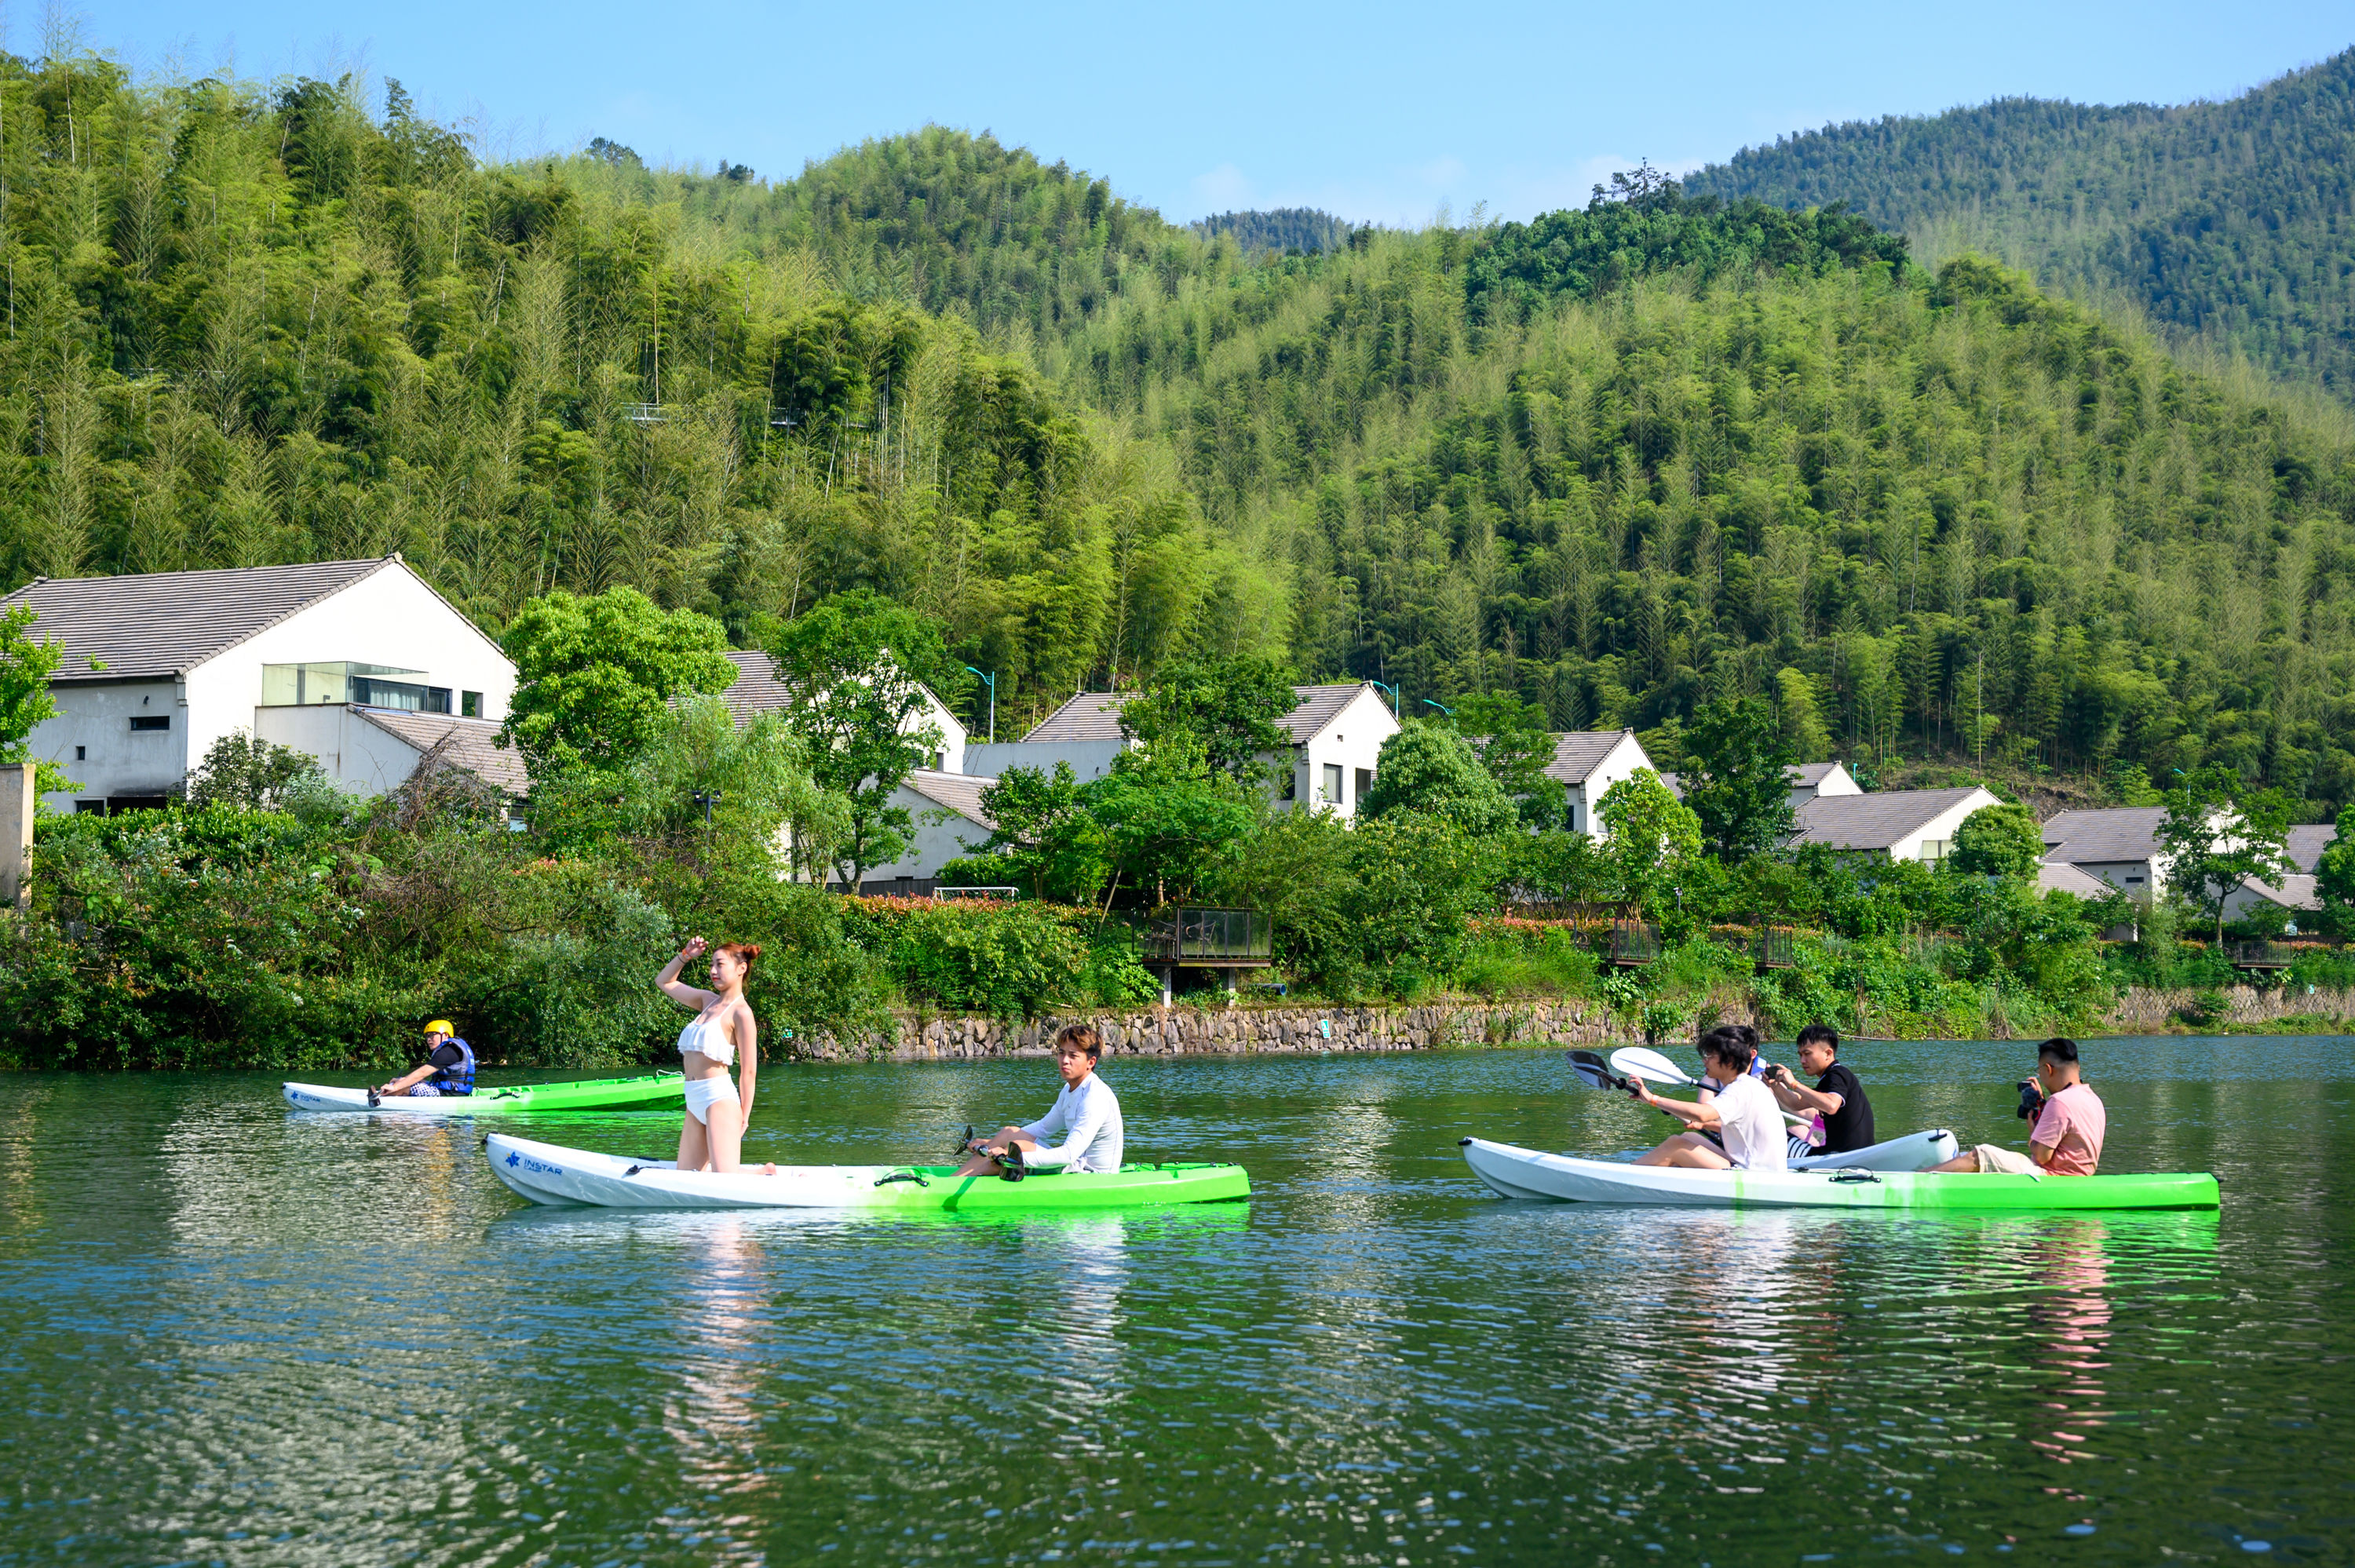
(1086, 1114)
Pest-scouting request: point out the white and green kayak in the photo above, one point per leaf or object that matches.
(1562, 1178)
(549, 1173)
(584, 1094)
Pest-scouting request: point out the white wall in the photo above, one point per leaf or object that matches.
(121, 760)
(1837, 781)
(388, 618)
(1941, 828)
(355, 753)
(953, 735)
(1351, 740)
(1089, 759)
(1622, 761)
(933, 844)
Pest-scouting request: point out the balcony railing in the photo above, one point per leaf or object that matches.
(1237, 939)
(1770, 947)
(2259, 955)
(1633, 943)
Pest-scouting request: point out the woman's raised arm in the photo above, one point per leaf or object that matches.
(670, 985)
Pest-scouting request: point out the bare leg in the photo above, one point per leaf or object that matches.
(983, 1165)
(1967, 1161)
(694, 1148)
(1691, 1151)
(725, 1133)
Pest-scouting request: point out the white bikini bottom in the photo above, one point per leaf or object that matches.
(702, 1094)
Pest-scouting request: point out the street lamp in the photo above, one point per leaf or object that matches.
(1442, 708)
(991, 681)
(1386, 686)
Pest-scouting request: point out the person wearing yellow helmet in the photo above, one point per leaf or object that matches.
(449, 1066)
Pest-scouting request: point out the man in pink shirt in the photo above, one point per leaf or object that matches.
(2070, 1123)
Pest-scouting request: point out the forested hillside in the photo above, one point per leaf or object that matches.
(1303, 228)
(1616, 459)
(2231, 223)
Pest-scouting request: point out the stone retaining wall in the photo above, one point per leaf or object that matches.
(1252, 1030)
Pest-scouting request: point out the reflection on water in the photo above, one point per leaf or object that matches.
(233, 1334)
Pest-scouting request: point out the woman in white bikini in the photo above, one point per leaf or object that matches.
(713, 1136)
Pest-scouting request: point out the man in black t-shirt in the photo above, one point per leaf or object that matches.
(449, 1066)
(1837, 1100)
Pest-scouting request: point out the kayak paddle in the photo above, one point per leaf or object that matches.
(1643, 1062)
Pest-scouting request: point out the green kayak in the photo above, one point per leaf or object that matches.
(585, 1094)
(1531, 1173)
(549, 1173)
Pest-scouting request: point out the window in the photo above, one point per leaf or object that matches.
(96, 807)
(81, 754)
(343, 681)
(1332, 792)
(1365, 782)
(470, 704)
(1935, 850)
(150, 722)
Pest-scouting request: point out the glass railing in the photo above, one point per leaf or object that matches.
(347, 681)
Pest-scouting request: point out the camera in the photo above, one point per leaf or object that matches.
(2031, 1100)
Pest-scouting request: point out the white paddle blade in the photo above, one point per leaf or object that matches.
(1643, 1062)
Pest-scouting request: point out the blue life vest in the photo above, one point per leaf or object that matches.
(460, 1080)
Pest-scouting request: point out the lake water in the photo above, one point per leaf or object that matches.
(233, 1334)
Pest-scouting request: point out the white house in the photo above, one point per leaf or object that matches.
(1588, 763)
(950, 823)
(1336, 733)
(1809, 779)
(1903, 824)
(2115, 844)
(757, 690)
(160, 665)
(2295, 894)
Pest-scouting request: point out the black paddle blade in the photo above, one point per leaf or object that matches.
(964, 1144)
(1593, 1070)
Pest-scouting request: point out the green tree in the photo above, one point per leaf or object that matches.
(1170, 827)
(1413, 878)
(1736, 778)
(595, 677)
(249, 774)
(1042, 838)
(1650, 839)
(856, 668)
(1802, 724)
(2218, 831)
(1430, 770)
(25, 667)
(1229, 706)
(1998, 840)
(1516, 746)
(2334, 876)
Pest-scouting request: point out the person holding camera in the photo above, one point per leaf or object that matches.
(2069, 1121)
(1843, 1116)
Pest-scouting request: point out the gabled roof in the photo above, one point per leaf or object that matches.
(2293, 893)
(153, 625)
(1095, 715)
(2060, 876)
(1809, 773)
(755, 689)
(1872, 822)
(1580, 753)
(2099, 837)
(473, 744)
(959, 792)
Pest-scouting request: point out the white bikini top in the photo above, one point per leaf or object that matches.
(704, 1034)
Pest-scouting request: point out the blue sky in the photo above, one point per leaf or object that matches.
(1374, 111)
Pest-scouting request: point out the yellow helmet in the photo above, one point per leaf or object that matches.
(439, 1026)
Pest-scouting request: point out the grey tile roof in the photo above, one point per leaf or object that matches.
(2294, 892)
(1676, 785)
(1809, 772)
(2060, 876)
(1095, 715)
(156, 624)
(473, 744)
(2306, 844)
(756, 689)
(2109, 835)
(1088, 715)
(1871, 821)
(1578, 753)
(959, 792)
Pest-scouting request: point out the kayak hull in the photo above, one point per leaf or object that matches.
(1561, 1178)
(589, 1093)
(1915, 1152)
(550, 1173)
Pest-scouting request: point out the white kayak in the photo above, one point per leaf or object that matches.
(509, 1099)
(551, 1174)
(1562, 1178)
(1915, 1152)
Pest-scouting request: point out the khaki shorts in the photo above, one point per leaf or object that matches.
(1997, 1162)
